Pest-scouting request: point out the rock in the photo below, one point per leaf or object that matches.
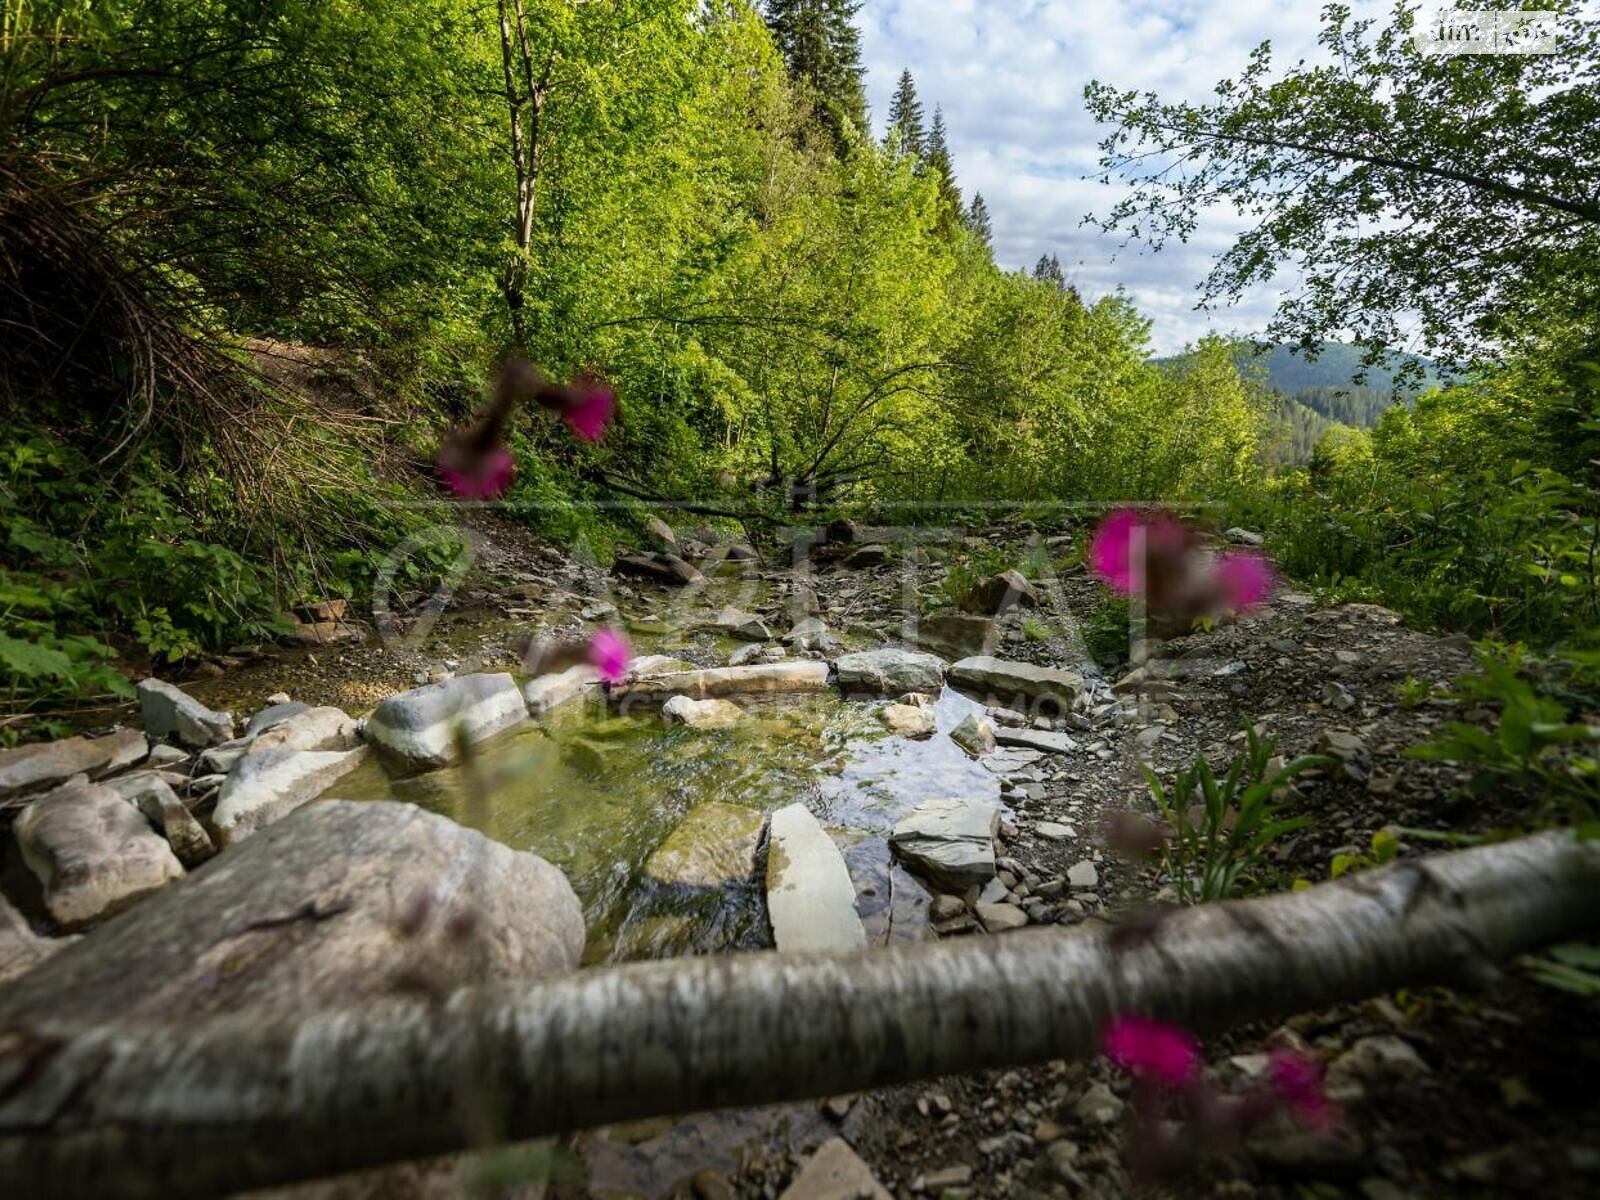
(661, 534)
(1035, 739)
(864, 557)
(701, 714)
(998, 918)
(946, 908)
(162, 808)
(324, 728)
(755, 680)
(810, 898)
(92, 851)
(715, 846)
(975, 735)
(1063, 1157)
(1098, 1106)
(956, 635)
(170, 710)
(1381, 1060)
(275, 713)
(909, 720)
(1243, 537)
(756, 652)
(999, 593)
(268, 785)
(1340, 744)
(20, 948)
(279, 698)
(811, 633)
(835, 1172)
(951, 841)
(163, 755)
(416, 730)
(889, 672)
(546, 693)
(323, 610)
(1083, 875)
(45, 765)
(744, 625)
(222, 759)
(1052, 832)
(1006, 680)
(325, 633)
(742, 552)
(842, 532)
(935, 1182)
(338, 904)
(658, 568)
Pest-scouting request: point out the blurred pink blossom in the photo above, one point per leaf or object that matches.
(590, 410)
(1246, 579)
(1153, 1049)
(1297, 1081)
(609, 654)
(1180, 577)
(484, 478)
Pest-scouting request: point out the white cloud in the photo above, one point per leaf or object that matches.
(1009, 75)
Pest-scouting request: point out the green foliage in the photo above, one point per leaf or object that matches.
(1214, 853)
(1383, 848)
(1573, 967)
(1105, 629)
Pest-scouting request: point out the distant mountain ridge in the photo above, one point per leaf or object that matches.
(1336, 366)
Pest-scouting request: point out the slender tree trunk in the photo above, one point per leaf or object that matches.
(526, 95)
(250, 1100)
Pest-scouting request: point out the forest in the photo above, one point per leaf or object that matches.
(400, 372)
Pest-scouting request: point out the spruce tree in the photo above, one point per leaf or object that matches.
(1048, 268)
(822, 47)
(938, 160)
(978, 221)
(905, 117)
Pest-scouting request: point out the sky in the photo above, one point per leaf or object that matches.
(1010, 75)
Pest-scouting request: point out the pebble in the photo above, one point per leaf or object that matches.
(1051, 831)
(1099, 1105)
(1083, 875)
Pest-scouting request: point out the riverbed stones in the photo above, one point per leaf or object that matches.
(658, 567)
(757, 652)
(743, 625)
(661, 534)
(170, 710)
(546, 693)
(716, 845)
(274, 714)
(267, 786)
(1004, 680)
(339, 903)
(1083, 875)
(1000, 917)
(416, 730)
(810, 898)
(956, 634)
(321, 728)
(93, 852)
(152, 796)
(45, 765)
(757, 679)
(950, 841)
(835, 1172)
(975, 735)
(909, 720)
(1035, 739)
(701, 714)
(1001, 593)
(889, 672)
(865, 556)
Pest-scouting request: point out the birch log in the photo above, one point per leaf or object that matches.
(248, 1100)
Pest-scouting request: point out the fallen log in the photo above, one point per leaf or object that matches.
(252, 1099)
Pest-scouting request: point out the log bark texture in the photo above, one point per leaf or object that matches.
(251, 1099)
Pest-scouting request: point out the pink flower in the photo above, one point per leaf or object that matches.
(1151, 1048)
(1297, 1081)
(591, 410)
(482, 479)
(609, 655)
(1245, 578)
(1111, 550)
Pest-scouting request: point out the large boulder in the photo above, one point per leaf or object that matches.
(416, 730)
(340, 903)
(325, 728)
(701, 714)
(810, 898)
(1007, 681)
(889, 672)
(658, 568)
(267, 786)
(716, 845)
(956, 634)
(758, 679)
(45, 765)
(171, 710)
(950, 841)
(999, 593)
(93, 852)
(975, 734)
(909, 720)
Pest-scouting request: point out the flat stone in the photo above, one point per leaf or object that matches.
(975, 734)
(325, 633)
(1035, 739)
(758, 679)
(951, 841)
(1053, 832)
(956, 635)
(741, 624)
(266, 787)
(1099, 1105)
(162, 808)
(757, 652)
(936, 1182)
(416, 730)
(835, 1172)
(998, 918)
(20, 948)
(659, 568)
(92, 851)
(865, 556)
(273, 714)
(946, 908)
(170, 710)
(889, 672)
(45, 765)
(1000, 593)
(1341, 744)
(701, 714)
(546, 693)
(810, 898)
(909, 720)
(1005, 680)
(1083, 875)
(323, 728)
(715, 846)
